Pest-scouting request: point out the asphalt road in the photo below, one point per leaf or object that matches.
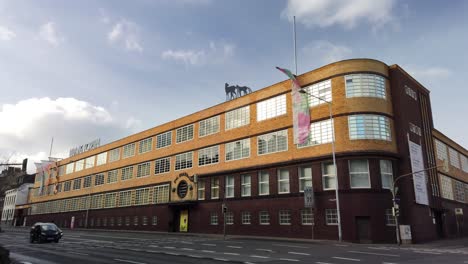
(143, 248)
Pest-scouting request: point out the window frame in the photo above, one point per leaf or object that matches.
(357, 173)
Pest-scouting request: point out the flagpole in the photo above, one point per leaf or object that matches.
(294, 37)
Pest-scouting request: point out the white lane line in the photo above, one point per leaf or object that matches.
(230, 253)
(195, 256)
(323, 262)
(220, 259)
(257, 256)
(264, 249)
(153, 246)
(282, 245)
(129, 261)
(210, 245)
(208, 251)
(388, 263)
(379, 248)
(77, 253)
(378, 254)
(286, 259)
(350, 259)
(172, 253)
(187, 249)
(169, 247)
(298, 253)
(341, 245)
(427, 252)
(234, 247)
(185, 242)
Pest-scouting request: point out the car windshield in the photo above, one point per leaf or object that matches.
(49, 227)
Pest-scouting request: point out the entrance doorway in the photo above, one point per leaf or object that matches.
(363, 229)
(183, 221)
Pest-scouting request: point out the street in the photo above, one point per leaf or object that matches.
(144, 248)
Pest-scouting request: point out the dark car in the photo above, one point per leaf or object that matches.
(45, 232)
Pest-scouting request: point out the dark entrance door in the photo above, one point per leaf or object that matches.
(439, 221)
(363, 229)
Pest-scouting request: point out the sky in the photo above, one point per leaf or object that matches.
(75, 71)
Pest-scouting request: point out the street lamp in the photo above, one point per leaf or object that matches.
(303, 91)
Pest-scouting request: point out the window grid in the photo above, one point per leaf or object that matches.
(214, 188)
(328, 176)
(125, 198)
(464, 162)
(285, 217)
(386, 173)
(272, 107)
(365, 85)
(359, 173)
(229, 192)
(320, 133)
(263, 183)
(369, 127)
(154, 220)
(208, 126)
(322, 90)
(127, 173)
(237, 118)
(307, 217)
(389, 218)
(273, 142)
(446, 187)
(213, 219)
(99, 179)
(142, 196)
(238, 149)
(208, 156)
(87, 181)
(161, 194)
(76, 184)
(246, 218)
(70, 168)
(229, 216)
(79, 165)
(454, 160)
(89, 162)
(246, 185)
(459, 191)
(283, 181)
(162, 165)
(164, 139)
(184, 133)
(331, 217)
(145, 145)
(112, 176)
(128, 150)
(184, 161)
(201, 189)
(264, 217)
(305, 178)
(101, 159)
(114, 155)
(143, 169)
(67, 186)
(110, 200)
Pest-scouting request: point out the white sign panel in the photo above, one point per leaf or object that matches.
(309, 197)
(405, 232)
(419, 179)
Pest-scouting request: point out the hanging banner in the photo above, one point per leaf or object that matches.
(419, 179)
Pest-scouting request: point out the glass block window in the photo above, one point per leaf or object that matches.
(213, 219)
(320, 133)
(237, 118)
(386, 174)
(89, 162)
(184, 133)
(307, 218)
(214, 188)
(101, 159)
(99, 179)
(125, 198)
(246, 218)
(119, 221)
(201, 189)
(229, 192)
(454, 160)
(264, 217)
(238, 149)
(229, 216)
(305, 177)
(208, 126)
(127, 220)
(273, 142)
(87, 181)
(145, 145)
(272, 107)
(283, 181)
(328, 176)
(162, 165)
(114, 155)
(263, 183)
(446, 187)
(208, 156)
(70, 168)
(184, 160)
(389, 218)
(96, 201)
(246, 185)
(359, 173)
(144, 220)
(67, 186)
(464, 162)
(111, 221)
(128, 150)
(369, 127)
(127, 173)
(285, 217)
(164, 139)
(365, 85)
(322, 90)
(110, 200)
(142, 196)
(112, 176)
(135, 220)
(459, 189)
(79, 165)
(161, 194)
(331, 217)
(76, 184)
(154, 220)
(143, 169)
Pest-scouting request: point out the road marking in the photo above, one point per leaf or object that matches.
(256, 256)
(208, 251)
(388, 263)
(195, 256)
(220, 259)
(169, 247)
(286, 259)
(77, 253)
(172, 253)
(187, 249)
(379, 248)
(234, 247)
(282, 245)
(230, 253)
(210, 245)
(370, 253)
(153, 246)
(264, 249)
(427, 252)
(129, 261)
(341, 245)
(323, 263)
(299, 253)
(350, 259)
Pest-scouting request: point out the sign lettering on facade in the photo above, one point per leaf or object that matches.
(83, 148)
(419, 179)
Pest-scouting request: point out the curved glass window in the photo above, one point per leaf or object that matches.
(369, 127)
(365, 85)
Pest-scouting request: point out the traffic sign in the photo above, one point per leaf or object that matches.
(309, 200)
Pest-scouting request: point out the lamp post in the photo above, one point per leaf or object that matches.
(334, 160)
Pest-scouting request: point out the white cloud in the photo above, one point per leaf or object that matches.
(430, 72)
(326, 51)
(347, 13)
(127, 33)
(48, 32)
(214, 54)
(6, 33)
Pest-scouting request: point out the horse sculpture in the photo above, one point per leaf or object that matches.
(243, 89)
(235, 91)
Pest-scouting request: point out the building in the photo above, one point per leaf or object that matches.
(175, 177)
(13, 198)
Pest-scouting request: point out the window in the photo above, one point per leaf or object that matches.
(128, 150)
(359, 173)
(454, 160)
(238, 149)
(307, 218)
(145, 145)
(89, 162)
(144, 220)
(114, 155)
(283, 181)
(184, 160)
(142, 196)
(184, 133)
(328, 176)
(125, 198)
(127, 220)
(96, 201)
(161, 194)
(229, 216)
(264, 218)
(110, 200)
(305, 178)
(273, 142)
(59, 187)
(365, 85)
(119, 221)
(201, 189)
(70, 168)
(112, 176)
(67, 186)
(322, 90)
(369, 127)
(459, 188)
(284, 217)
(214, 188)
(127, 173)
(79, 165)
(331, 217)
(87, 181)
(99, 179)
(246, 218)
(213, 219)
(143, 169)
(464, 162)
(154, 220)
(76, 184)
(162, 165)
(238, 117)
(229, 186)
(272, 107)
(164, 139)
(101, 159)
(389, 218)
(246, 185)
(386, 174)
(446, 187)
(208, 126)
(263, 183)
(208, 156)
(61, 170)
(320, 133)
